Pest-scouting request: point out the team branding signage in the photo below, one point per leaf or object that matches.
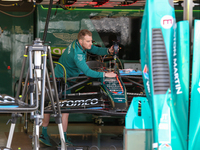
(177, 82)
(167, 21)
(57, 50)
(80, 103)
(146, 76)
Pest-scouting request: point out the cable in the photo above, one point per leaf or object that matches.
(8, 5)
(19, 16)
(47, 20)
(65, 72)
(16, 4)
(120, 62)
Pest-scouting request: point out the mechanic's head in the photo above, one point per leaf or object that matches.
(85, 39)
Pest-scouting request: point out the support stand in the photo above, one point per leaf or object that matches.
(12, 127)
(36, 79)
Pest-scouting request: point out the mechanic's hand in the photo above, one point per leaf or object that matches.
(110, 74)
(111, 50)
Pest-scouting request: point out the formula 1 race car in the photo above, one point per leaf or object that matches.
(110, 96)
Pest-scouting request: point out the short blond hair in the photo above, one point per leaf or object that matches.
(83, 33)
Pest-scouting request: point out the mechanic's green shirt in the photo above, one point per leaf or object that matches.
(74, 61)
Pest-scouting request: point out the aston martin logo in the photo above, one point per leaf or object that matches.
(66, 36)
(80, 57)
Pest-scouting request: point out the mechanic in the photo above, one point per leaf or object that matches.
(74, 61)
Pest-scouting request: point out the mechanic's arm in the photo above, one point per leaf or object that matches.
(101, 51)
(81, 64)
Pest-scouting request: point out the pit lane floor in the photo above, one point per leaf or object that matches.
(90, 136)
